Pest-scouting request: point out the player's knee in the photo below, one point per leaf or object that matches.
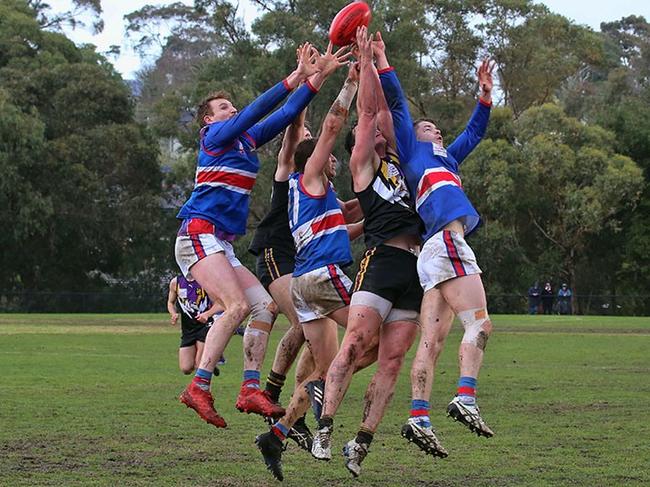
(262, 307)
(478, 327)
(273, 308)
(239, 311)
(187, 370)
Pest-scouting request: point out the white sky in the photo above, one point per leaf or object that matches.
(587, 12)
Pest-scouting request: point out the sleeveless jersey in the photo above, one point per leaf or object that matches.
(431, 170)
(273, 231)
(318, 228)
(191, 297)
(386, 205)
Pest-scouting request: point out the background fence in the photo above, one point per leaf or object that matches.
(130, 302)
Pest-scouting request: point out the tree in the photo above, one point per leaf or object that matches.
(559, 187)
(82, 185)
(536, 51)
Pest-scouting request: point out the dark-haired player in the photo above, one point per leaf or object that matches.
(387, 294)
(320, 289)
(447, 265)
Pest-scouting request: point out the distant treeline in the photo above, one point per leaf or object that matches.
(92, 175)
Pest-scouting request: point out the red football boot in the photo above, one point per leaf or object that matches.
(201, 401)
(252, 400)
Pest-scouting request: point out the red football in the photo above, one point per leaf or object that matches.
(344, 26)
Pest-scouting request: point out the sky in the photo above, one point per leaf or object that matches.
(586, 12)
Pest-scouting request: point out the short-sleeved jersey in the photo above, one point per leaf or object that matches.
(386, 205)
(273, 231)
(432, 171)
(318, 228)
(228, 164)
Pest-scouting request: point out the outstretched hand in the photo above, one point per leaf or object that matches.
(378, 45)
(484, 74)
(329, 62)
(306, 57)
(364, 45)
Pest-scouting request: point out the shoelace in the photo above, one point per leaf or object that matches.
(324, 438)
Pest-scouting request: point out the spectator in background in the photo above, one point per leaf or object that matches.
(564, 300)
(534, 299)
(547, 299)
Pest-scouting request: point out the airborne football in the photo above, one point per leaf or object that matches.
(323, 243)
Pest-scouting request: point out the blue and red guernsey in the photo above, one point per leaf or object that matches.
(318, 228)
(431, 171)
(228, 164)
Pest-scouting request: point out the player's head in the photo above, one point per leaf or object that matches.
(426, 131)
(216, 107)
(304, 151)
(380, 140)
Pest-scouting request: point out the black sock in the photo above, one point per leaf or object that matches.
(325, 421)
(364, 436)
(274, 383)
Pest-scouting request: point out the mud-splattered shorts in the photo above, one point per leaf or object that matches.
(320, 292)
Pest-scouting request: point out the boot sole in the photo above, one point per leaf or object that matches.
(277, 470)
(410, 437)
(456, 415)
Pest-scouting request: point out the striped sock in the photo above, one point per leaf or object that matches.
(420, 412)
(274, 383)
(280, 430)
(467, 390)
(251, 379)
(202, 379)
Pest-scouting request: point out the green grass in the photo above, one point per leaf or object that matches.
(92, 400)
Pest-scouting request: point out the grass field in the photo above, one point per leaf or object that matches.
(92, 400)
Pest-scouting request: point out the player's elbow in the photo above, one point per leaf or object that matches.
(366, 113)
(333, 125)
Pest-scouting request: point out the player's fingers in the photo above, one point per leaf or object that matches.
(343, 59)
(342, 51)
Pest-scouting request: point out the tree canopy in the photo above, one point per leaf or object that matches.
(561, 179)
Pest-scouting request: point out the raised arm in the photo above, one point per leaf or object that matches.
(384, 117)
(403, 124)
(219, 134)
(363, 153)
(292, 136)
(323, 66)
(332, 125)
(477, 125)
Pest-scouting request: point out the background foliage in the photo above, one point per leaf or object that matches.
(92, 176)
